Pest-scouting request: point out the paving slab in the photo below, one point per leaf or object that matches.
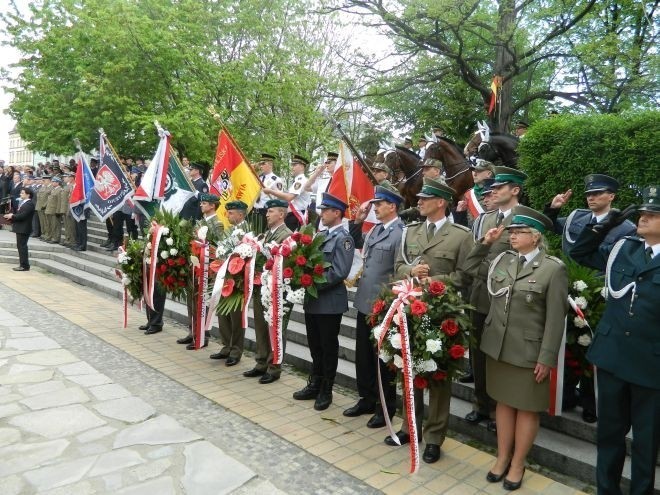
(60, 474)
(157, 431)
(21, 457)
(58, 422)
(115, 461)
(90, 380)
(109, 391)
(73, 395)
(161, 486)
(31, 344)
(127, 409)
(48, 358)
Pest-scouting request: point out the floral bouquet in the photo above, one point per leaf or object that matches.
(587, 298)
(168, 251)
(129, 269)
(437, 324)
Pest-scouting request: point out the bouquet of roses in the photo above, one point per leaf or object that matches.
(587, 292)
(169, 249)
(437, 323)
(129, 269)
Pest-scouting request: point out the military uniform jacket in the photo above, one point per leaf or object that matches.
(338, 248)
(278, 235)
(215, 227)
(379, 252)
(42, 199)
(271, 181)
(65, 193)
(525, 325)
(571, 227)
(444, 253)
(53, 202)
(627, 339)
(479, 295)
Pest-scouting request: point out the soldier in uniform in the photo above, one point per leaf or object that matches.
(626, 348)
(421, 143)
(507, 190)
(190, 210)
(208, 203)
(264, 368)
(52, 212)
(323, 313)
(432, 169)
(297, 197)
(42, 201)
(36, 225)
(380, 248)
(473, 198)
(69, 222)
(257, 217)
(522, 334)
(382, 174)
(232, 333)
(433, 250)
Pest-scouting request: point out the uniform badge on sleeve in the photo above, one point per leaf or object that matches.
(296, 186)
(348, 245)
(279, 185)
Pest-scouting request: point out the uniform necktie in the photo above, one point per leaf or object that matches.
(521, 263)
(500, 218)
(649, 254)
(430, 232)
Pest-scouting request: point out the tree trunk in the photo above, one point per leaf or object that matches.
(501, 117)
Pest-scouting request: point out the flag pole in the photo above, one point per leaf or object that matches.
(165, 132)
(365, 168)
(216, 116)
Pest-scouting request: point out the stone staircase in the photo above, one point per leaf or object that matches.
(565, 444)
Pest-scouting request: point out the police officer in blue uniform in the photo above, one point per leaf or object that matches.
(323, 313)
(380, 248)
(626, 348)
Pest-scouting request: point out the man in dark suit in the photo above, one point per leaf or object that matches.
(22, 227)
(323, 313)
(191, 209)
(380, 248)
(626, 347)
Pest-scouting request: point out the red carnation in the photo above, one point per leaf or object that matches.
(378, 306)
(275, 250)
(170, 262)
(269, 264)
(439, 375)
(301, 260)
(318, 269)
(181, 261)
(437, 288)
(456, 351)
(418, 308)
(287, 272)
(228, 287)
(162, 268)
(306, 239)
(257, 278)
(420, 382)
(170, 280)
(285, 250)
(296, 236)
(236, 264)
(306, 280)
(182, 283)
(449, 327)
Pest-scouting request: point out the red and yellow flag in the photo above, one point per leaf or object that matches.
(495, 87)
(232, 177)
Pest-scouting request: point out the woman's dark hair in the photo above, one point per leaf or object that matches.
(28, 191)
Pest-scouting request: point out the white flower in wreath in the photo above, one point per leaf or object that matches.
(244, 251)
(165, 231)
(418, 366)
(433, 345)
(174, 251)
(395, 340)
(581, 302)
(238, 233)
(147, 261)
(221, 250)
(296, 296)
(125, 281)
(584, 340)
(396, 319)
(579, 285)
(384, 356)
(123, 258)
(398, 361)
(148, 246)
(169, 241)
(164, 255)
(603, 292)
(265, 299)
(429, 365)
(377, 331)
(194, 261)
(202, 232)
(579, 322)
(287, 281)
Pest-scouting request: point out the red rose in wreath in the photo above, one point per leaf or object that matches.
(228, 287)
(418, 308)
(437, 288)
(162, 268)
(275, 250)
(456, 351)
(318, 269)
(306, 280)
(181, 261)
(269, 264)
(306, 239)
(420, 382)
(378, 306)
(449, 327)
(439, 375)
(285, 250)
(287, 272)
(295, 236)
(301, 260)
(236, 264)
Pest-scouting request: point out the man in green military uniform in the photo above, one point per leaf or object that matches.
(232, 333)
(276, 232)
(54, 231)
(626, 347)
(42, 199)
(69, 222)
(433, 250)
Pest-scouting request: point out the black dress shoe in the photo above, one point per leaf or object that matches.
(218, 355)
(185, 340)
(152, 330)
(467, 379)
(496, 478)
(404, 438)
(376, 421)
(191, 346)
(431, 453)
(20, 269)
(231, 361)
(475, 417)
(513, 485)
(144, 327)
(589, 416)
(358, 410)
(253, 372)
(268, 378)
(492, 426)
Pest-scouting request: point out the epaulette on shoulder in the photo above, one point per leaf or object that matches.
(413, 224)
(555, 259)
(511, 251)
(461, 227)
(633, 238)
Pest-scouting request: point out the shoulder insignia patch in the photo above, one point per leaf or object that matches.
(205, 189)
(632, 238)
(279, 185)
(296, 186)
(555, 259)
(461, 227)
(348, 244)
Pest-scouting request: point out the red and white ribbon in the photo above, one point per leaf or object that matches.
(248, 275)
(406, 292)
(149, 269)
(277, 292)
(473, 204)
(124, 298)
(216, 293)
(200, 286)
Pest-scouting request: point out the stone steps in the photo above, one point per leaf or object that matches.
(564, 444)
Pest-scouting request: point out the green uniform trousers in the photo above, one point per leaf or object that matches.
(437, 421)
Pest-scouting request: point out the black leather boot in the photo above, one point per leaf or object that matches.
(324, 399)
(311, 390)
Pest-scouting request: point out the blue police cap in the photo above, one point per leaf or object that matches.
(600, 182)
(486, 185)
(384, 194)
(330, 201)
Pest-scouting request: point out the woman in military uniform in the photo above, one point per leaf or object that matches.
(522, 335)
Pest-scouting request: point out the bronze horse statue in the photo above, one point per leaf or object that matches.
(455, 166)
(406, 172)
